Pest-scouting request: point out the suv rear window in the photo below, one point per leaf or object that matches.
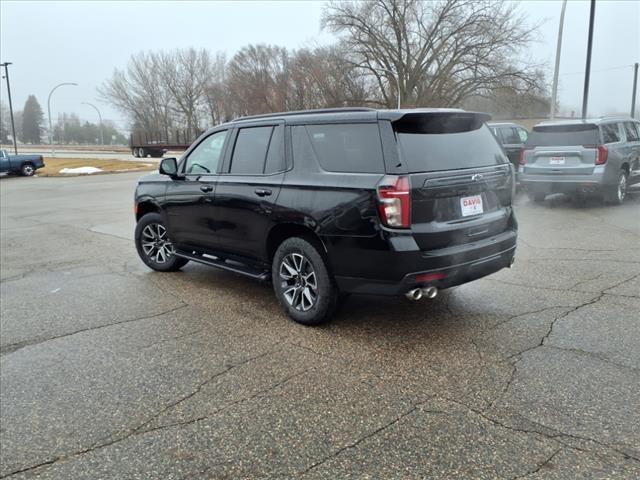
(353, 147)
(563, 135)
(446, 142)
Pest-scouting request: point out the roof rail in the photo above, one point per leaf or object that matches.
(305, 112)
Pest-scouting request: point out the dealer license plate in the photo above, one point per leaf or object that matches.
(471, 205)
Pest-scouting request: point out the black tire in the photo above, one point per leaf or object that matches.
(142, 153)
(154, 248)
(27, 170)
(134, 152)
(537, 197)
(304, 304)
(615, 194)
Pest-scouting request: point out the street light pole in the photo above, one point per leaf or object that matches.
(635, 88)
(100, 117)
(554, 88)
(13, 125)
(397, 79)
(587, 73)
(53, 153)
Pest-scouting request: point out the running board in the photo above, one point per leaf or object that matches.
(212, 261)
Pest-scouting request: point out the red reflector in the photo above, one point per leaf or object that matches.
(521, 160)
(430, 277)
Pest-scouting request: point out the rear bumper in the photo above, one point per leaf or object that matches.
(562, 183)
(458, 264)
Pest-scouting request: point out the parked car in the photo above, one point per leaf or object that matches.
(338, 201)
(581, 157)
(21, 164)
(512, 137)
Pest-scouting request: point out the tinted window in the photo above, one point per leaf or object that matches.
(440, 150)
(206, 156)
(563, 135)
(348, 147)
(509, 135)
(610, 133)
(302, 149)
(631, 131)
(275, 156)
(250, 151)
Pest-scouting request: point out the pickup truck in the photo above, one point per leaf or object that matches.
(25, 165)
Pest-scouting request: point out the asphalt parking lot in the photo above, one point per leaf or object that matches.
(110, 370)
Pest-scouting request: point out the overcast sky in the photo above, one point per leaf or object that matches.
(51, 42)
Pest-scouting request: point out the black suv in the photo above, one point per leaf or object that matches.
(330, 202)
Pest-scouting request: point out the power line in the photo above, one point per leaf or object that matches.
(600, 70)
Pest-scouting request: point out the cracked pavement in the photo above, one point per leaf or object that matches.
(109, 370)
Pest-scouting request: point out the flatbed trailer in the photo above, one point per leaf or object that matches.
(146, 143)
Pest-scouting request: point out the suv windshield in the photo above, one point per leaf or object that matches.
(447, 142)
(561, 135)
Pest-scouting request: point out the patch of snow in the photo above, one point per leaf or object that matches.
(87, 170)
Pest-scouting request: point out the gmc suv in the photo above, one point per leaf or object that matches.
(329, 202)
(581, 157)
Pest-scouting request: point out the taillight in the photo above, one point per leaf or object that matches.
(394, 201)
(521, 160)
(601, 159)
(601, 154)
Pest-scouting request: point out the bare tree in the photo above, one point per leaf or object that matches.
(140, 93)
(257, 79)
(218, 106)
(441, 51)
(185, 74)
(322, 77)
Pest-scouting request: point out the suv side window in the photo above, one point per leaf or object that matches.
(250, 151)
(631, 131)
(610, 133)
(275, 156)
(353, 147)
(205, 158)
(522, 133)
(510, 135)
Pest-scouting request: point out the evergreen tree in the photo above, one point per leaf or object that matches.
(32, 120)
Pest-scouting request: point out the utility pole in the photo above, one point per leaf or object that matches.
(554, 88)
(635, 89)
(13, 125)
(587, 73)
(100, 117)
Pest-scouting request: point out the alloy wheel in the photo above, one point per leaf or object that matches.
(27, 170)
(622, 188)
(155, 243)
(298, 282)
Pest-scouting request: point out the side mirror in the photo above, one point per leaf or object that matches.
(169, 166)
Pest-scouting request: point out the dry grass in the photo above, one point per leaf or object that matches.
(54, 165)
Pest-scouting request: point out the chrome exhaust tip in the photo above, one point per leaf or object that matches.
(430, 292)
(415, 294)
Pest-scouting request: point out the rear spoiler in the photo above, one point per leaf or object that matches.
(433, 122)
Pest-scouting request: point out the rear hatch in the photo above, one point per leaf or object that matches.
(561, 150)
(461, 181)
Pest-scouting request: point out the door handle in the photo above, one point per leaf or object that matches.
(263, 192)
(206, 188)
